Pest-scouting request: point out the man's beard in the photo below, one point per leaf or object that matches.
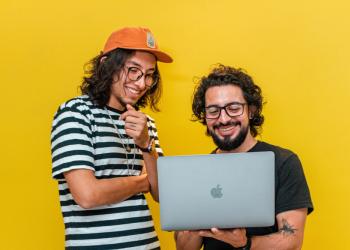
(228, 143)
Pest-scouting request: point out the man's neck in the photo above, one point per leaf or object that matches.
(113, 103)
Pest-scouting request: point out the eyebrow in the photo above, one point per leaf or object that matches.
(138, 65)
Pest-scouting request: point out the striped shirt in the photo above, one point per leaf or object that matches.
(84, 137)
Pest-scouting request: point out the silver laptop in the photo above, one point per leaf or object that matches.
(218, 190)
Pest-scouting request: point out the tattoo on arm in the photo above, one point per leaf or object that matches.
(286, 228)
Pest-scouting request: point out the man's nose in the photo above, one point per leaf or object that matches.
(224, 117)
(141, 82)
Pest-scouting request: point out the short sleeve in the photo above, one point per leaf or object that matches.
(292, 190)
(71, 142)
(152, 129)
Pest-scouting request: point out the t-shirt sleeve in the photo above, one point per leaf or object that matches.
(292, 189)
(71, 142)
(152, 130)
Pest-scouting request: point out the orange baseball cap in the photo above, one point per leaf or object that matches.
(135, 39)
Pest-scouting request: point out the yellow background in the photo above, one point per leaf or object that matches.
(297, 51)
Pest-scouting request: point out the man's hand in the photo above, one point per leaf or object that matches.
(188, 240)
(136, 126)
(235, 237)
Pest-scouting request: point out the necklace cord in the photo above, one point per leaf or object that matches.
(126, 146)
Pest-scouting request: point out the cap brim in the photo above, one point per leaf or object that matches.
(161, 56)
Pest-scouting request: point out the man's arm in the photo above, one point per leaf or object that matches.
(188, 240)
(137, 128)
(290, 233)
(89, 192)
(289, 236)
(150, 161)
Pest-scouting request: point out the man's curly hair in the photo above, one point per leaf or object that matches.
(225, 75)
(99, 79)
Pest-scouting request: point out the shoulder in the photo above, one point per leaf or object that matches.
(151, 122)
(79, 103)
(79, 109)
(282, 155)
(81, 106)
(278, 150)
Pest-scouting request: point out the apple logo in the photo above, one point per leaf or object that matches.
(216, 192)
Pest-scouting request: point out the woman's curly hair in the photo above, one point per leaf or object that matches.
(99, 79)
(225, 75)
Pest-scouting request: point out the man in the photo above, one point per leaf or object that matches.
(104, 149)
(229, 103)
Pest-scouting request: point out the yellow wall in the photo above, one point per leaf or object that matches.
(298, 51)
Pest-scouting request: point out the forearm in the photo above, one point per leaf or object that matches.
(89, 192)
(150, 160)
(115, 190)
(277, 241)
(290, 235)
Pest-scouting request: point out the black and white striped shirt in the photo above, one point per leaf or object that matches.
(83, 137)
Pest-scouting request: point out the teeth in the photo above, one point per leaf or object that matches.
(134, 91)
(226, 129)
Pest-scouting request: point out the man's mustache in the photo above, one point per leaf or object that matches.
(226, 124)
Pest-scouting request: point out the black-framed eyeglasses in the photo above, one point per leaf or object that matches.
(135, 74)
(232, 109)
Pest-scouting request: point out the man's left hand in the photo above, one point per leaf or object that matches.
(136, 126)
(235, 237)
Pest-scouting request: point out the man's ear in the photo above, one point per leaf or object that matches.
(251, 111)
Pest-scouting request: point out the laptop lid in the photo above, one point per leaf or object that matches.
(230, 190)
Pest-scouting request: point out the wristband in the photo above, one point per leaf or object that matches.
(149, 148)
(248, 245)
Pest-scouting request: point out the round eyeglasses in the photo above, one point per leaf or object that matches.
(135, 74)
(232, 109)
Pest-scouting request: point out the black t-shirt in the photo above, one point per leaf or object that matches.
(291, 191)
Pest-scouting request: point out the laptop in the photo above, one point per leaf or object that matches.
(232, 190)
